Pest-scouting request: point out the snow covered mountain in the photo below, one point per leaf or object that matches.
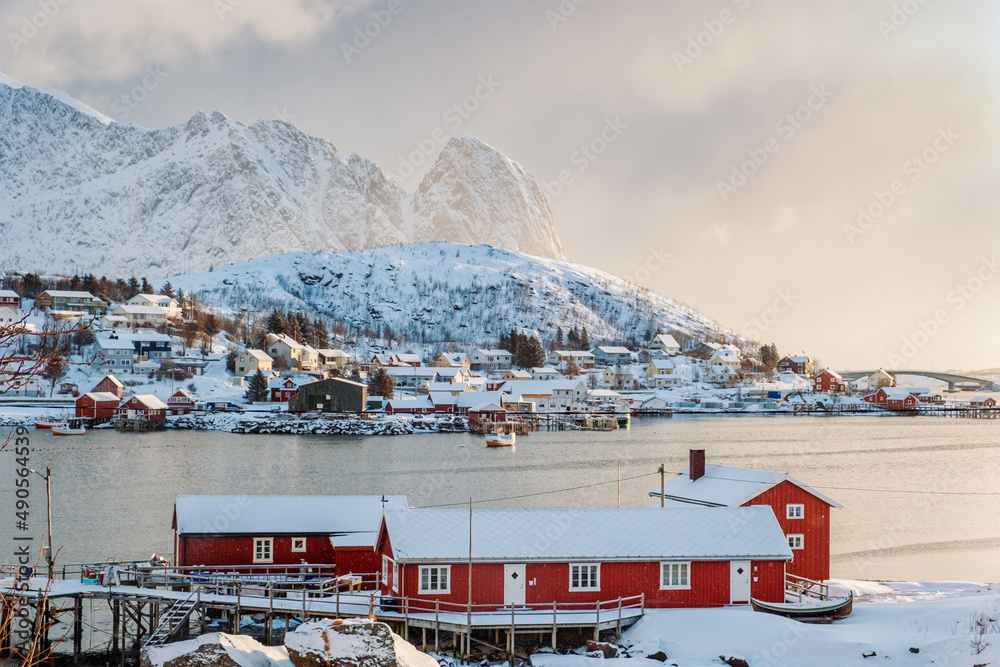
(446, 291)
(80, 193)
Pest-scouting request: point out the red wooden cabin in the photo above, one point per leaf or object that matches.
(681, 557)
(226, 531)
(143, 406)
(803, 513)
(829, 381)
(111, 385)
(283, 390)
(983, 402)
(181, 402)
(97, 405)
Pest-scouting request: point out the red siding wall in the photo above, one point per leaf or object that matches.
(813, 561)
(357, 560)
(709, 584)
(238, 550)
(87, 407)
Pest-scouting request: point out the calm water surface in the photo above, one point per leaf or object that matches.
(113, 493)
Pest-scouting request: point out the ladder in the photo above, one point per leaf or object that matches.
(174, 619)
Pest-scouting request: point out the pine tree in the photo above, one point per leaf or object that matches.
(573, 340)
(257, 388)
(534, 354)
(584, 340)
(167, 289)
(276, 323)
(381, 384)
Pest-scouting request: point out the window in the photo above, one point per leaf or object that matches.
(298, 544)
(675, 575)
(262, 550)
(395, 576)
(795, 541)
(385, 570)
(585, 577)
(795, 511)
(435, 579)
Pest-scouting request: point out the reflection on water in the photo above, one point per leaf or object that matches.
(113, 492)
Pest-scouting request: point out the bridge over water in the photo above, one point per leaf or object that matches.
(951, 378)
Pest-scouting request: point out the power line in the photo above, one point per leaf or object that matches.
(928, 493)
(539, 493)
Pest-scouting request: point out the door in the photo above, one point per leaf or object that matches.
(739, 582)
(514, 584)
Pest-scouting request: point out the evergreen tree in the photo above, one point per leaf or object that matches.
(231, 361)
(257, 391)
(146, 287)
(381, 384)
(573, 340)
(167, 289)
(533, 355)
(275, 322)
(769, 355)
(55, 369)
(320, 335)
(584, 340)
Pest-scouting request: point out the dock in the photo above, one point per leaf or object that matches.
(151, 606)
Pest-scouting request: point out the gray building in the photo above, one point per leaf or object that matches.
(333, 395)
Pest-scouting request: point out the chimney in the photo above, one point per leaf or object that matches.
(696, 466)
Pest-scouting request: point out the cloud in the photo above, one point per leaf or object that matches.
(56, 42)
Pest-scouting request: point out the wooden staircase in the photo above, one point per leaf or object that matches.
(174, 620)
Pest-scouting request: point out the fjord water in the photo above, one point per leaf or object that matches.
(113, 492)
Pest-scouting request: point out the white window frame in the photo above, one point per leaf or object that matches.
(445, 590)
(596, 575)
(258, 543)
(686, 565)
(385, 570)
(790, 511)
(395, 576)
(796, 539)
(296, 550)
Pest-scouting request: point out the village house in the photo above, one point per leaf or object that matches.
(491, 361)
(407, 359)
(895, 398)
(296, 355)
(726, 355)
(68, 301)
(10, 299)
(720, 374)
(168, 303)
(181, 402)
(622, 377)
(878, 379)
(333, 359)
(149, 346)
(545, 373)
(332, 395)
(516, 374)
(142, 317)
(795, 364)
(142, 406)
(250, 361)
(607, 355)
(663, 345)
(660, 373)
(453, 388)
(8, 316)
(561, 359)
(282, 389)
(97, 405)
(452, 360)
(983, 402)
(409, 405)
(247, 530)
(682, 557)
(412, 377)
(113, 354)
(829, 381)
(13, 383)
(555, 395)
(113, 322)
(802, 512)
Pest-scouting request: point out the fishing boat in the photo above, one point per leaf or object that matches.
(500, 439)
(47, 424)
(68, 430)
(808, 609)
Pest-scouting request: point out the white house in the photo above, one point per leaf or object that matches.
(167, 303)
(301, 357)
(491, 360)
(251, 361)
(608, 355)
(545, 373)
(719, 374)
(8, 316)
(561, 359)
(663, 345)
(515, 374)
(142, 316)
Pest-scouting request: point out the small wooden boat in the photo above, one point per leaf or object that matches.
(68, 430)
(500, 439)
(45, 424)
(808, 609)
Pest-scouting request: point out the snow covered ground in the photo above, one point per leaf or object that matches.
(930, 623)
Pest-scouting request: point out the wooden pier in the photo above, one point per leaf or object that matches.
(151, 606)
(138, 425)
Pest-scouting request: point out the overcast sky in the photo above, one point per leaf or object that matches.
(718, 152)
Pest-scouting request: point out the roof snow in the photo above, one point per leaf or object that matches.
(101, 396)
(281, 515)
(150, 401)
(259, 355)
(726, 486)
(587, 534)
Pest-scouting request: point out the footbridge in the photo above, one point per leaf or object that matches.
(951, 378)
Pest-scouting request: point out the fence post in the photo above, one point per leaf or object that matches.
(338, 600)
(555, 623)
(597, 624)
(619, 618)
(512, 634)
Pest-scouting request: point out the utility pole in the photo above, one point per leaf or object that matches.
(619, 482)
(663, 486)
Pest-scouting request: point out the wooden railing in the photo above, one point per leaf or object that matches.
(806, 587)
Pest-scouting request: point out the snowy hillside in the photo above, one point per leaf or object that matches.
(81, 193)
(446, 291)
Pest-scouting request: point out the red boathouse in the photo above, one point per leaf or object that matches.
(681, 557)
(802, 512)
(226, 531)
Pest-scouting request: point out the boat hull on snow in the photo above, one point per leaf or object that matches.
(815, 611)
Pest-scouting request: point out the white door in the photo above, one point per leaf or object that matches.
(513, 584)
(739, 582)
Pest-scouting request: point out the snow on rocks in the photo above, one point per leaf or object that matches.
(352, 643)
(216, 650)
(315, 425)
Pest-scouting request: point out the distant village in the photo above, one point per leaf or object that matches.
(151, 355)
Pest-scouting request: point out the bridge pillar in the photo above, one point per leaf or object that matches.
(951, 387)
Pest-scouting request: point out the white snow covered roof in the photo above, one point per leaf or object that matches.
(281, 515)
(726, 486)
(259, 355)
(9, 294)
(609, 349)
(101, 396)
(69, 294)
(140, 310)
(587, 534)
(150, 401)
